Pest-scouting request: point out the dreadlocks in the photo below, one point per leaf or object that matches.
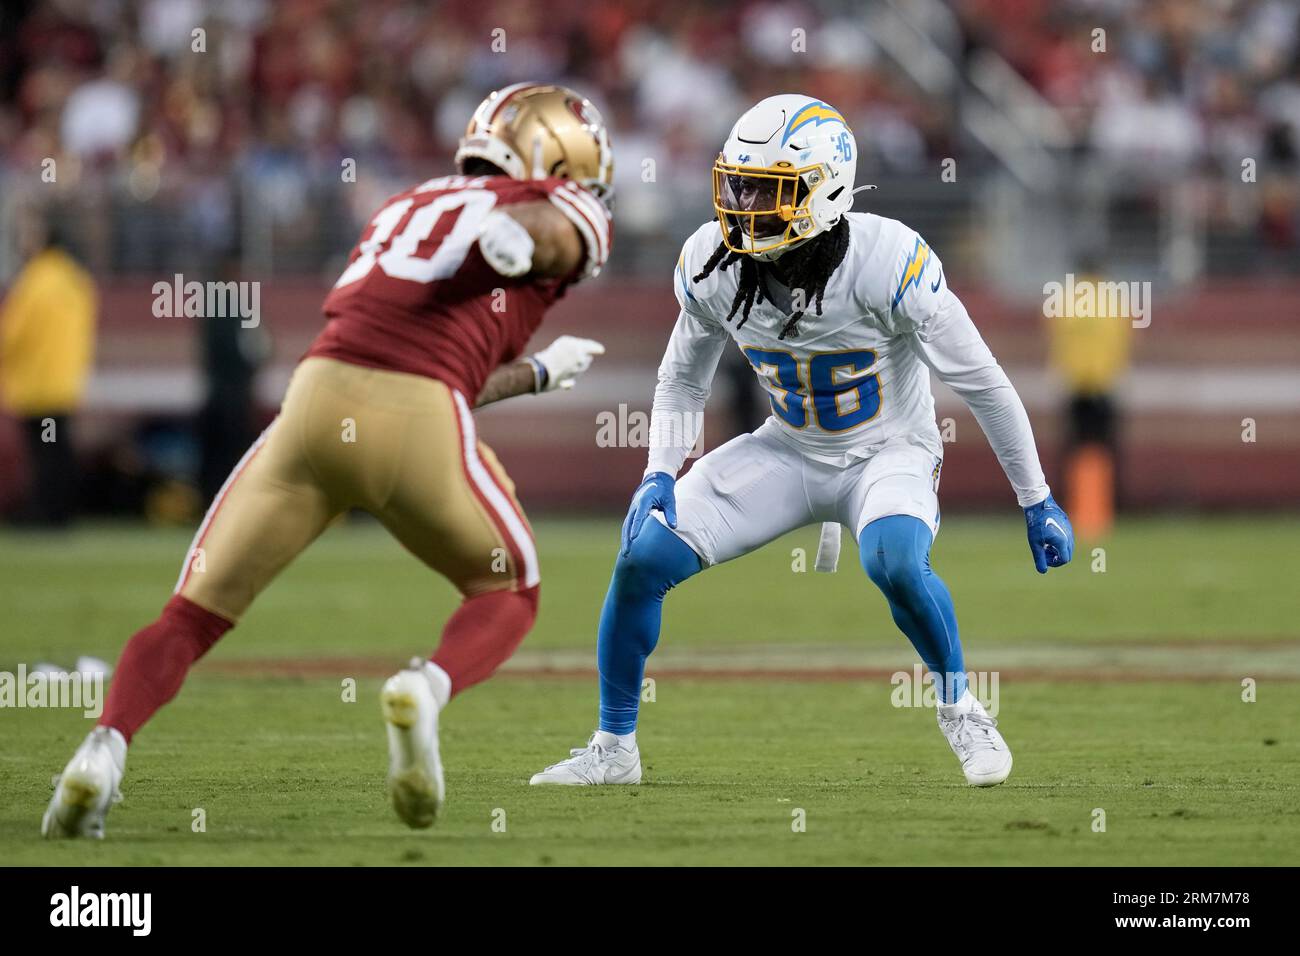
(806, 268)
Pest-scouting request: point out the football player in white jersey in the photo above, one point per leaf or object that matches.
(843, 317)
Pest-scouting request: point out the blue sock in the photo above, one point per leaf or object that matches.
(895, 551)
(629, 621)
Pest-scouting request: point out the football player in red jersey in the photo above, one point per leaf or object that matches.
(447, 285)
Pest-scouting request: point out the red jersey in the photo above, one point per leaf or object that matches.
(417, 295)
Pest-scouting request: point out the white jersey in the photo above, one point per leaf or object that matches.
(845, 382)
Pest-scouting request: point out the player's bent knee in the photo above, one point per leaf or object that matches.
(895, 554)
(477, 581)
(640, 572)
(525, 600)
(657, 561)
(532, 600)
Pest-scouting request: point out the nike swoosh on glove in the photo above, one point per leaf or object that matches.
(655, 493)
(1051, 538)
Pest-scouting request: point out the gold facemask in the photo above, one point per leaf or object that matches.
(763, 203)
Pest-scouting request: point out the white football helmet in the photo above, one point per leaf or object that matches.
(784, 175)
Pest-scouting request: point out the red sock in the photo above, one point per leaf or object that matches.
(483, 633)
(154, 663)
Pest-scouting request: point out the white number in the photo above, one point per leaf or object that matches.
(399, 260)
(384, 222)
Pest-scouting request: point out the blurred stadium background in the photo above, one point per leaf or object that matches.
(995, 127)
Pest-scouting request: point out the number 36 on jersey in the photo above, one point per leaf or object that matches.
(835, 390)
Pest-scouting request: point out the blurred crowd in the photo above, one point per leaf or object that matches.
(1185, 88)
(188, 129)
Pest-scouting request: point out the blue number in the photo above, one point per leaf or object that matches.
(787, 381)
(844, 146)
(844, 395)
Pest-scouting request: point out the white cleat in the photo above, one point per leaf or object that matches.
(974, 738)
(415, 781)
(602, 761)
(87, 788)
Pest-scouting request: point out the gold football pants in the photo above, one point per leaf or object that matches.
(402, 447)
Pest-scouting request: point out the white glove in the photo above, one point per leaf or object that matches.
(505, 244)
(560, 363)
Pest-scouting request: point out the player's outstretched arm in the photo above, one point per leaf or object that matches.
(950, 344)
(555, 367)
(532, 238)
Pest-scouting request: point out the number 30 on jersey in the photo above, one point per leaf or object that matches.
(843, 392)
(399, 256)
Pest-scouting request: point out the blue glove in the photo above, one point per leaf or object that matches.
(655, 492)
(1051, 539)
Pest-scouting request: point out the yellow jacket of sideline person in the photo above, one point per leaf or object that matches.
(47, 336)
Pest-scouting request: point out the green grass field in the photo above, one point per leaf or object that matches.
(1119, 690)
